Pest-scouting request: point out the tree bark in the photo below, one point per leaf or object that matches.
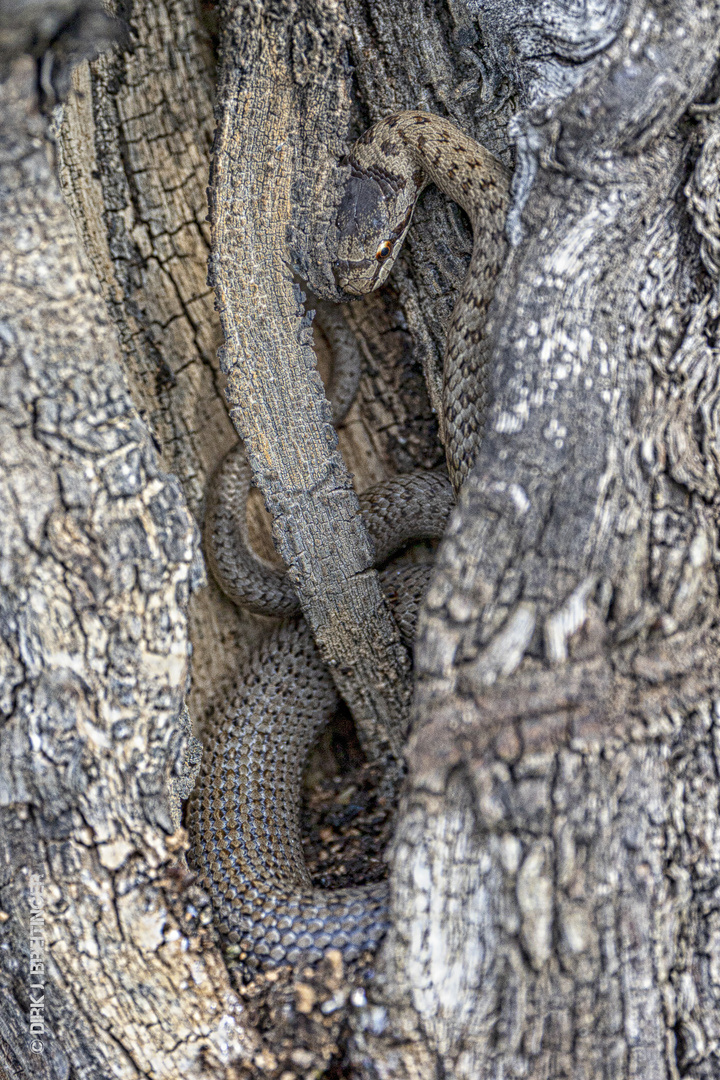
(284, 72)
(556, 856)
(549, 915)
(99, 555)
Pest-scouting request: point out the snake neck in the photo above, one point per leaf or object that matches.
(401, 155)
(420, 148)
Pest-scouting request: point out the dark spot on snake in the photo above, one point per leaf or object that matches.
(361, 201)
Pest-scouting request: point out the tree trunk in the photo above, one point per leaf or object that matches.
(557, 852)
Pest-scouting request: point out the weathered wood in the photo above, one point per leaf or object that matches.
(562, 765)
(556, 859)
(284, 73)
(134, 148)
(98, 560)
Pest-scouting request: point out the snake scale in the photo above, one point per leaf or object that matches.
(244, 815)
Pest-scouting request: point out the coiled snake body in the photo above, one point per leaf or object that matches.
(245, 809)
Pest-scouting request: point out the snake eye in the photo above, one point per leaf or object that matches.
(384, 251)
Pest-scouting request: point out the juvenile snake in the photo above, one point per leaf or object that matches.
(245, 808)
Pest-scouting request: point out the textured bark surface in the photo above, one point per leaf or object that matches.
(134, 147)
(550, 918)
(98, 555)
(284, 72)
(557, 852)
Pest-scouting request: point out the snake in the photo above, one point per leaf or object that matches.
(390, 165)
(244, 812)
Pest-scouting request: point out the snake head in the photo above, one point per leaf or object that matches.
(373, 219)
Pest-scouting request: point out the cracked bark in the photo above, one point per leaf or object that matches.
(563, 768)
(99, 555)
(555, 905)
(284, 71)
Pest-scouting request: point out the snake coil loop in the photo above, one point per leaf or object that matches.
(244, 811)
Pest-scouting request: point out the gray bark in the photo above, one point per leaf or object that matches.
(563, 763)
(556, 858)
(99, 555)
(282, 75)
